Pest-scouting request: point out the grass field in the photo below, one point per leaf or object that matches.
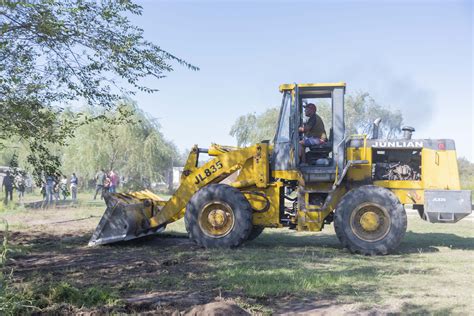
(282, 271)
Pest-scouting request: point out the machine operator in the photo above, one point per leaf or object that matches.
(313, 129)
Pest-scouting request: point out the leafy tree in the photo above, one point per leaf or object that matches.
(135, 148)
(360, 112)
(251, 128)
(466, 173)
(57, 53)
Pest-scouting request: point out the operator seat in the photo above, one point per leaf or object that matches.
(319, 154)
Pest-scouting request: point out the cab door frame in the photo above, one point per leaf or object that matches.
(283, 157)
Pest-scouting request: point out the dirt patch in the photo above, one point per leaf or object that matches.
(162, 274)
(217, 309)
(134, 269)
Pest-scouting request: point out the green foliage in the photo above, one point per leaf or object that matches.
(360, 112)
(466, 173)
(11, 300)
(243, 129)
(3, 247)
(37, 298)
(66, 293)
(252, 128)
(125, 139)
(136, 148)
(278, 281)
(55, 53)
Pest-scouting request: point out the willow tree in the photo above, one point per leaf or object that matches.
(251, 128)
(57, 53)
(135, 148)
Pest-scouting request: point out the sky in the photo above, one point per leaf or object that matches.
(413, 56)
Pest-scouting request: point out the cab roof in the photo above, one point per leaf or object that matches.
(330, 85)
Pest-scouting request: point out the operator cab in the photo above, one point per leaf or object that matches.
(317, 162)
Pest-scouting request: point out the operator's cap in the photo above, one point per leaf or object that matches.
(310, 105)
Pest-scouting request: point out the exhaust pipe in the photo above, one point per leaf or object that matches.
(375, 128)
(407, 132)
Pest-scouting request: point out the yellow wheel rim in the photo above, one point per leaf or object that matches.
(216, 219)
(370, 222)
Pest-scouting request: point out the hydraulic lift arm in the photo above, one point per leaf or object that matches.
(133, 215)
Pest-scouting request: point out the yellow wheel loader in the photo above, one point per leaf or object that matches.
(360, 183)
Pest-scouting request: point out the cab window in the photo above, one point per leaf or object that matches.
(283, 134)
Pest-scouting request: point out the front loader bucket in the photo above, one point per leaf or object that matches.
(127, 217)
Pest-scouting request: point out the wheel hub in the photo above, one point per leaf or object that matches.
(216, 219)
(370, 221)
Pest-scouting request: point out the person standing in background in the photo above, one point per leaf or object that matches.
(99, 183)
(20, 186)
(113, 181)
(106, 184)
(74, 182)
(49, 189)
(63, 187)
(56, 188)
(8, 185)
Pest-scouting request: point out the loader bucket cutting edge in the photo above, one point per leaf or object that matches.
(125, 218)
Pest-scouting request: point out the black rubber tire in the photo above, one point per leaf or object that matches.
(241, 209)
(255, 232)
(377, 195)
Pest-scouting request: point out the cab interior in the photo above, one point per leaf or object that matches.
(318, 155)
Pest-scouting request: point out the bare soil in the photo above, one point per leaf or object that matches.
(65, 256)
